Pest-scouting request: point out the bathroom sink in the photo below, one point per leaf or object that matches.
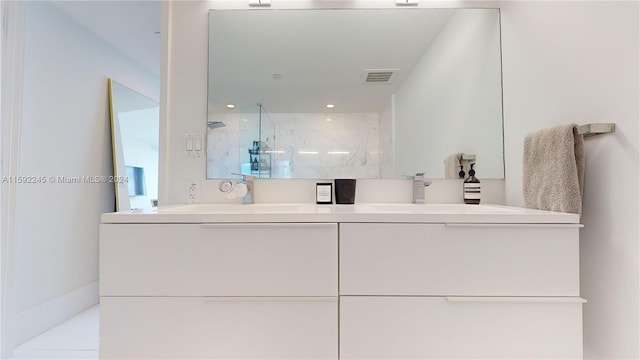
(387, 208)
(434, 208)
(237, 209)
(357, 213)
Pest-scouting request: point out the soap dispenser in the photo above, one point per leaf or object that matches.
(471, 188)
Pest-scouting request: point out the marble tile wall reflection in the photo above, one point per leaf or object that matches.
(327, 145)
(306, 146)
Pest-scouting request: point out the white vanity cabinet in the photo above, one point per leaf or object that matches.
(219, 291)
(370, 281)
(459, 259)
(425, 327)
(459, 291)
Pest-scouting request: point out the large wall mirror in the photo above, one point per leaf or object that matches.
(134, 134)
(358, 93)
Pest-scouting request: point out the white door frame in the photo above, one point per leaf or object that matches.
(11, 82)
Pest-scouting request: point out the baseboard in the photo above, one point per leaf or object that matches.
(40, 318)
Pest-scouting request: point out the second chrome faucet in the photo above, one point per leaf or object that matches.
(419, 183)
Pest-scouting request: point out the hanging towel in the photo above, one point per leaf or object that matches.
(553, 172)
(452, 166)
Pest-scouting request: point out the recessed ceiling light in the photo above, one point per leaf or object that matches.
(328, 119)
(231, 106)
(330, 106)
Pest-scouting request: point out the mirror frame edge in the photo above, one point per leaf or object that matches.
(113, 141)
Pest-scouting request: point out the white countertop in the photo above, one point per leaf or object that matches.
(295, 213)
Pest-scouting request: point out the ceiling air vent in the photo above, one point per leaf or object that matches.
(371, 76)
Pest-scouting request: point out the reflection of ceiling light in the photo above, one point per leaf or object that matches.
(330, 106)
(231, 106)
(307, 152)
(245, 120)
(274, 151)
(328, 119)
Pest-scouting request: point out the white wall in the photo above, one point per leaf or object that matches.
(65, 132)
(578, 62)
(184, 64)
(451, 102)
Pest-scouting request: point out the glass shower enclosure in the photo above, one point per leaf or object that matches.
(241, 141)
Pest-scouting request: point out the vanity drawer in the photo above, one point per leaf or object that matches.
(466, 328)
(218, 260)
(438, 259)
(218, 328)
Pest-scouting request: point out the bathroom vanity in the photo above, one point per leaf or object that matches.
(366, 281)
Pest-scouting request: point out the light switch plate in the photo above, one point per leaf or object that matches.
(193, 145)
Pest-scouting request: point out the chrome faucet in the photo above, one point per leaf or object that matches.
(419, 183)
(247, 180)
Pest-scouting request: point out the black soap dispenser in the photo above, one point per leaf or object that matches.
(471, 188)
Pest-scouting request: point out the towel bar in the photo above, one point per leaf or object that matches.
(595, 129)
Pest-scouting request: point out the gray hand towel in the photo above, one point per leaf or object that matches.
(553, 173)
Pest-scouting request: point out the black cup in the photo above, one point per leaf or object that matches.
(345, 191)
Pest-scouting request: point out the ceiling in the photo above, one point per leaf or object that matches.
(320, 56)
(132, 27)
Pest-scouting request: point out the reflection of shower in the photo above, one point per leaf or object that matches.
(215, 124)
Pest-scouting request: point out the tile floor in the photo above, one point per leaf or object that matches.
(76, 338)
